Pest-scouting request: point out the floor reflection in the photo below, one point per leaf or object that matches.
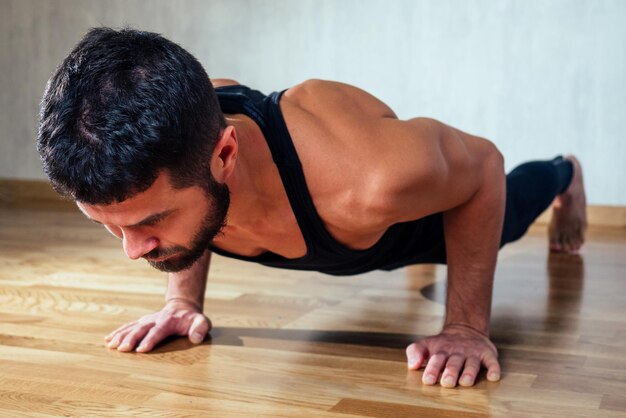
(566, 278)
(530, 302)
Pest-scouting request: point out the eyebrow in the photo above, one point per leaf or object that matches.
(149, 220)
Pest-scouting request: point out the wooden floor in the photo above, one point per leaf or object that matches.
(299, 344)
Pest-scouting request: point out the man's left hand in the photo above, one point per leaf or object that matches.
(456, 354)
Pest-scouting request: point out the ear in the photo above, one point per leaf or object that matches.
(224, 155)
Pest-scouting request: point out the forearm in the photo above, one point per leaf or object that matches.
(190, 284)
(472, 232)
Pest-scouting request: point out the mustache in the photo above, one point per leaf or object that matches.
(165, 252)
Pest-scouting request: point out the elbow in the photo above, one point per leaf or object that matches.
(490, 167)
(497, 155)
(494, 176)
(493, 160)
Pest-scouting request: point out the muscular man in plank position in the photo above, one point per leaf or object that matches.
(321, 176)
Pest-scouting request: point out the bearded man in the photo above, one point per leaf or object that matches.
(320, 176)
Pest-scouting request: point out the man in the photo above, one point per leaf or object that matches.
(322, 176)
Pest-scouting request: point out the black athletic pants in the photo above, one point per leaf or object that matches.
(531, 187)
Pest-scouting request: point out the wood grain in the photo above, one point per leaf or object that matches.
(290, 344)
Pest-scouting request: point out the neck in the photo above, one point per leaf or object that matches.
(251, 185)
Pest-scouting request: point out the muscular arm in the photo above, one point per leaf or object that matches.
(413, 169)
(472, 231)
(462, 176)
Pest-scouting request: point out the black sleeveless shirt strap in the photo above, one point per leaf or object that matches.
(266, 114)
(290, 168)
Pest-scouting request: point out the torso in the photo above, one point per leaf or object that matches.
(339, 191)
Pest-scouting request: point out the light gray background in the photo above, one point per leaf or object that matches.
(538, 78)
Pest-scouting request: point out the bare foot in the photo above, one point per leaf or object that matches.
(569, 215)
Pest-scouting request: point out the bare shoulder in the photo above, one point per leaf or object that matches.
(336, 130)
(365, 168)
(333, 95)
(221, 82)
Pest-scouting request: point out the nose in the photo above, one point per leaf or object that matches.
(137, 245)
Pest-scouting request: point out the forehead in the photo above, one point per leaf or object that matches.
(159, 197)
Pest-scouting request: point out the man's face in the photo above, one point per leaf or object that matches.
(168, 227)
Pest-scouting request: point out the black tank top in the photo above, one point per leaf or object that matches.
(419, 241)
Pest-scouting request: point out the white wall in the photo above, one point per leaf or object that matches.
(538, 78)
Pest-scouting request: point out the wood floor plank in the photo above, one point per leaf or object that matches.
(288, 344)
(368, 408)
(614, 403)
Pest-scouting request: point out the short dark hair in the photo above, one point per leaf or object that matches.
(123, 106)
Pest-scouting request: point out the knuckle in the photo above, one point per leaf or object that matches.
(120, 335)
(437, 359)
(471, 370)
(159, 332)
(158, 329)
(452, 371)
(133, 333)
(442, 355)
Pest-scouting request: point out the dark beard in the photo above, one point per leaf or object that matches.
(183, 258)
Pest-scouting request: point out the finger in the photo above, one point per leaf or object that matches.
(493, 367)
(198, 329)
(416, 353)
(118, 330)
(118, 338)
(434, 367)
(153, 337)
(133, 336)
(453, 368)
(470, 371)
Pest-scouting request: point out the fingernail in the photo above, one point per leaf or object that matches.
(412, 362)
(124, 347)
(494, 376)
(429, 379)
(197, 337)
(466, 380)
(448, 381)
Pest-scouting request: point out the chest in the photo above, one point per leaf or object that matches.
(280, 233)
(277, 232)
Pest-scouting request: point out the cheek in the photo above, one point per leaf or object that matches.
(178, 231)
(114, 230)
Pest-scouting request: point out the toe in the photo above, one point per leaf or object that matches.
(567, 244)
(553, 241)
(555, 244)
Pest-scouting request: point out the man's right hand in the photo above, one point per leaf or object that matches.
(178, 317)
